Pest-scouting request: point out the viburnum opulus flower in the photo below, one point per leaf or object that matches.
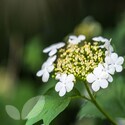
(91, 61)
(46, 68)
(65, 84)
(52, 50)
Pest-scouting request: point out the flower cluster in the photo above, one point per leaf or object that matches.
(94, 62)
(101, 75)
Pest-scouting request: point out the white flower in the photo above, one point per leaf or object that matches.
(52, 50)
(76, 40)
(46, 68)
(65, 84)
(99, 78)
(115, 62)
(106, 44)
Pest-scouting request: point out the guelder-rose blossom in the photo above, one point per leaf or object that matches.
(46, 68)
(52, 50)
(65, 84)
(76, 40)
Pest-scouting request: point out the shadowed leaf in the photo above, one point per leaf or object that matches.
(13, 112)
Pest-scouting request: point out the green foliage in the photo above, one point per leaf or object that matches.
(112, 100)
(52, 107)
(24, 91)
(36, 104)
(13, 112)
(119, 36)
(11, 107)
(32, 54)
(50, 84)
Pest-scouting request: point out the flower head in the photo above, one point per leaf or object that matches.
(65, 84)
(92, 61)
(53, 48)
(76, 40)
(46, 68)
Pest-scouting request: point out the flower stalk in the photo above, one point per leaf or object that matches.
(93, 100)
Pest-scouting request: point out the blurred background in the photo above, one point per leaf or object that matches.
(28, 26)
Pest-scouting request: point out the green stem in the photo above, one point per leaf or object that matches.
(97, 105)
(80, 96)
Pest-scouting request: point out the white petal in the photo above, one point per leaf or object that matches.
(104, 40)
(99, 39)
(63, 78)
(107, 44)
(50, 60)
(50, 68)
(39, 73)
(69, 86)
(58, 86)
(52, 52)
(45, 76)
(103, 83)
(53, 58)
(108, 60)
(73, 41)
(111, 48)
(91, 78)
(119, 68)
(120, 60)
(110, 79)
(114, 57)
(104, 75)
(111, 69)
(62, 92)
(98, 70)
(72, 37)
(70, 77)
(95, 86)
(58, 76)
(54, 46)
(45, 64)
(102, 46)
(60, 45)
(46, 50)
(81, 37)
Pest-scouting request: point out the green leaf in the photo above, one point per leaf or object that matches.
(112, 100)
(29, 110)
(45, 87)
(13, 112)
(89, 110)
(53, 106)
